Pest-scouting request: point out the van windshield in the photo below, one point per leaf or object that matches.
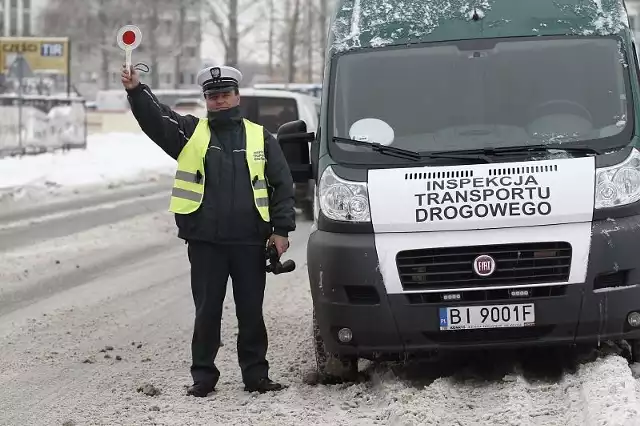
(484, 94)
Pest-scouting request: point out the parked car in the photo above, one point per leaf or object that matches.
(189, 104)
(309, 89)
(273, 108)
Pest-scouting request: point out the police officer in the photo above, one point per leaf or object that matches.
(232, 195)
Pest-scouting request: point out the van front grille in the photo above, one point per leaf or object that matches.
(515, 264)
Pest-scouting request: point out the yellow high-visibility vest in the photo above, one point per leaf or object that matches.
(188, 186)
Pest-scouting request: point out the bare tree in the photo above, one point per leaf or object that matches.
(153, 22)
(272, 24)
(226, 15)
(323, 17)
(292, 33)
(166, 31)
(159, 15)
(182, 18)
(277, 33)
(95, 25)
(292, 42)
(309, 41)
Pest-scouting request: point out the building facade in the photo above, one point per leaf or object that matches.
(96, 60)
(20, 17)
(176, 64)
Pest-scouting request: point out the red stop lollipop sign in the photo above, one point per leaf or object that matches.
(129, 37)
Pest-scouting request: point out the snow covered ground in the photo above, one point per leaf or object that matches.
(110, 159)
(91, 321)
(94, 317)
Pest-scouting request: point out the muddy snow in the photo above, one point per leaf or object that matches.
(95, 329)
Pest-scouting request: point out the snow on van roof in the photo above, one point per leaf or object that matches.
(377, 23)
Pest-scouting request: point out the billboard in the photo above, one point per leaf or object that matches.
(40, 63)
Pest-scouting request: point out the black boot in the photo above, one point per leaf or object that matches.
(201, 389)
(264, 385)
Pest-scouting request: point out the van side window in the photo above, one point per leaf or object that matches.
(248, 108)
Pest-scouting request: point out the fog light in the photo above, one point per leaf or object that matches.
(519, 293)
(345, 335)
(634, 319)
(451, 296)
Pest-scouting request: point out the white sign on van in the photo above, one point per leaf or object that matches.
(496, 196)
(482, 196)
(372, 130)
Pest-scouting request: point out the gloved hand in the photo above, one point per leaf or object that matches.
(281, 243)
(129, 81)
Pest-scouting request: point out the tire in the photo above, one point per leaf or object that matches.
(332, 368)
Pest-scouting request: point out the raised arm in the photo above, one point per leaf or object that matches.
(168, 129)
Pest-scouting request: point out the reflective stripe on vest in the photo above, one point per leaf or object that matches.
(188, 187)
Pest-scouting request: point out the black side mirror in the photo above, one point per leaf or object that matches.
(293, 127)
(294, 141)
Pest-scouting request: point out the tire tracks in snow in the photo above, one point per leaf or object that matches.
(75, 200)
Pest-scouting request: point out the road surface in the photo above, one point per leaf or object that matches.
(95, 304)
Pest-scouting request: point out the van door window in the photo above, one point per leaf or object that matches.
(248, 108)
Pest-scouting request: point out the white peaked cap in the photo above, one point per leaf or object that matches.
(219, 79)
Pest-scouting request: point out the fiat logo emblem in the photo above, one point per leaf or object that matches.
(484, 265)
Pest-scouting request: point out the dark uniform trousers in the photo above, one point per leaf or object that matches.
(211, 266)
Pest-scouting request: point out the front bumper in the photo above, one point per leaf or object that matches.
(348, 291)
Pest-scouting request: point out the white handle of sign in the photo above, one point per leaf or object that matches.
(127, 60)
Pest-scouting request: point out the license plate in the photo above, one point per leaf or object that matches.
(493, 316)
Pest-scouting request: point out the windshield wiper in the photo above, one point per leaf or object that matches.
(521, 149)
(383, 149)
(413, 155)
(545, 147)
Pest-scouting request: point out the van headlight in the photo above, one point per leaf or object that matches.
(620, 184)
(343, 200)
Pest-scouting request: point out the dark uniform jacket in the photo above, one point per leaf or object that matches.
(228, 213)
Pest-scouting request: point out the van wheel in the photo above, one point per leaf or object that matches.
(332, 368)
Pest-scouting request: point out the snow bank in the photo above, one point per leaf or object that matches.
(110, 158)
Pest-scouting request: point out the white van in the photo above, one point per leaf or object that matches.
(478, 181)
(309, 89)
(273, 108)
